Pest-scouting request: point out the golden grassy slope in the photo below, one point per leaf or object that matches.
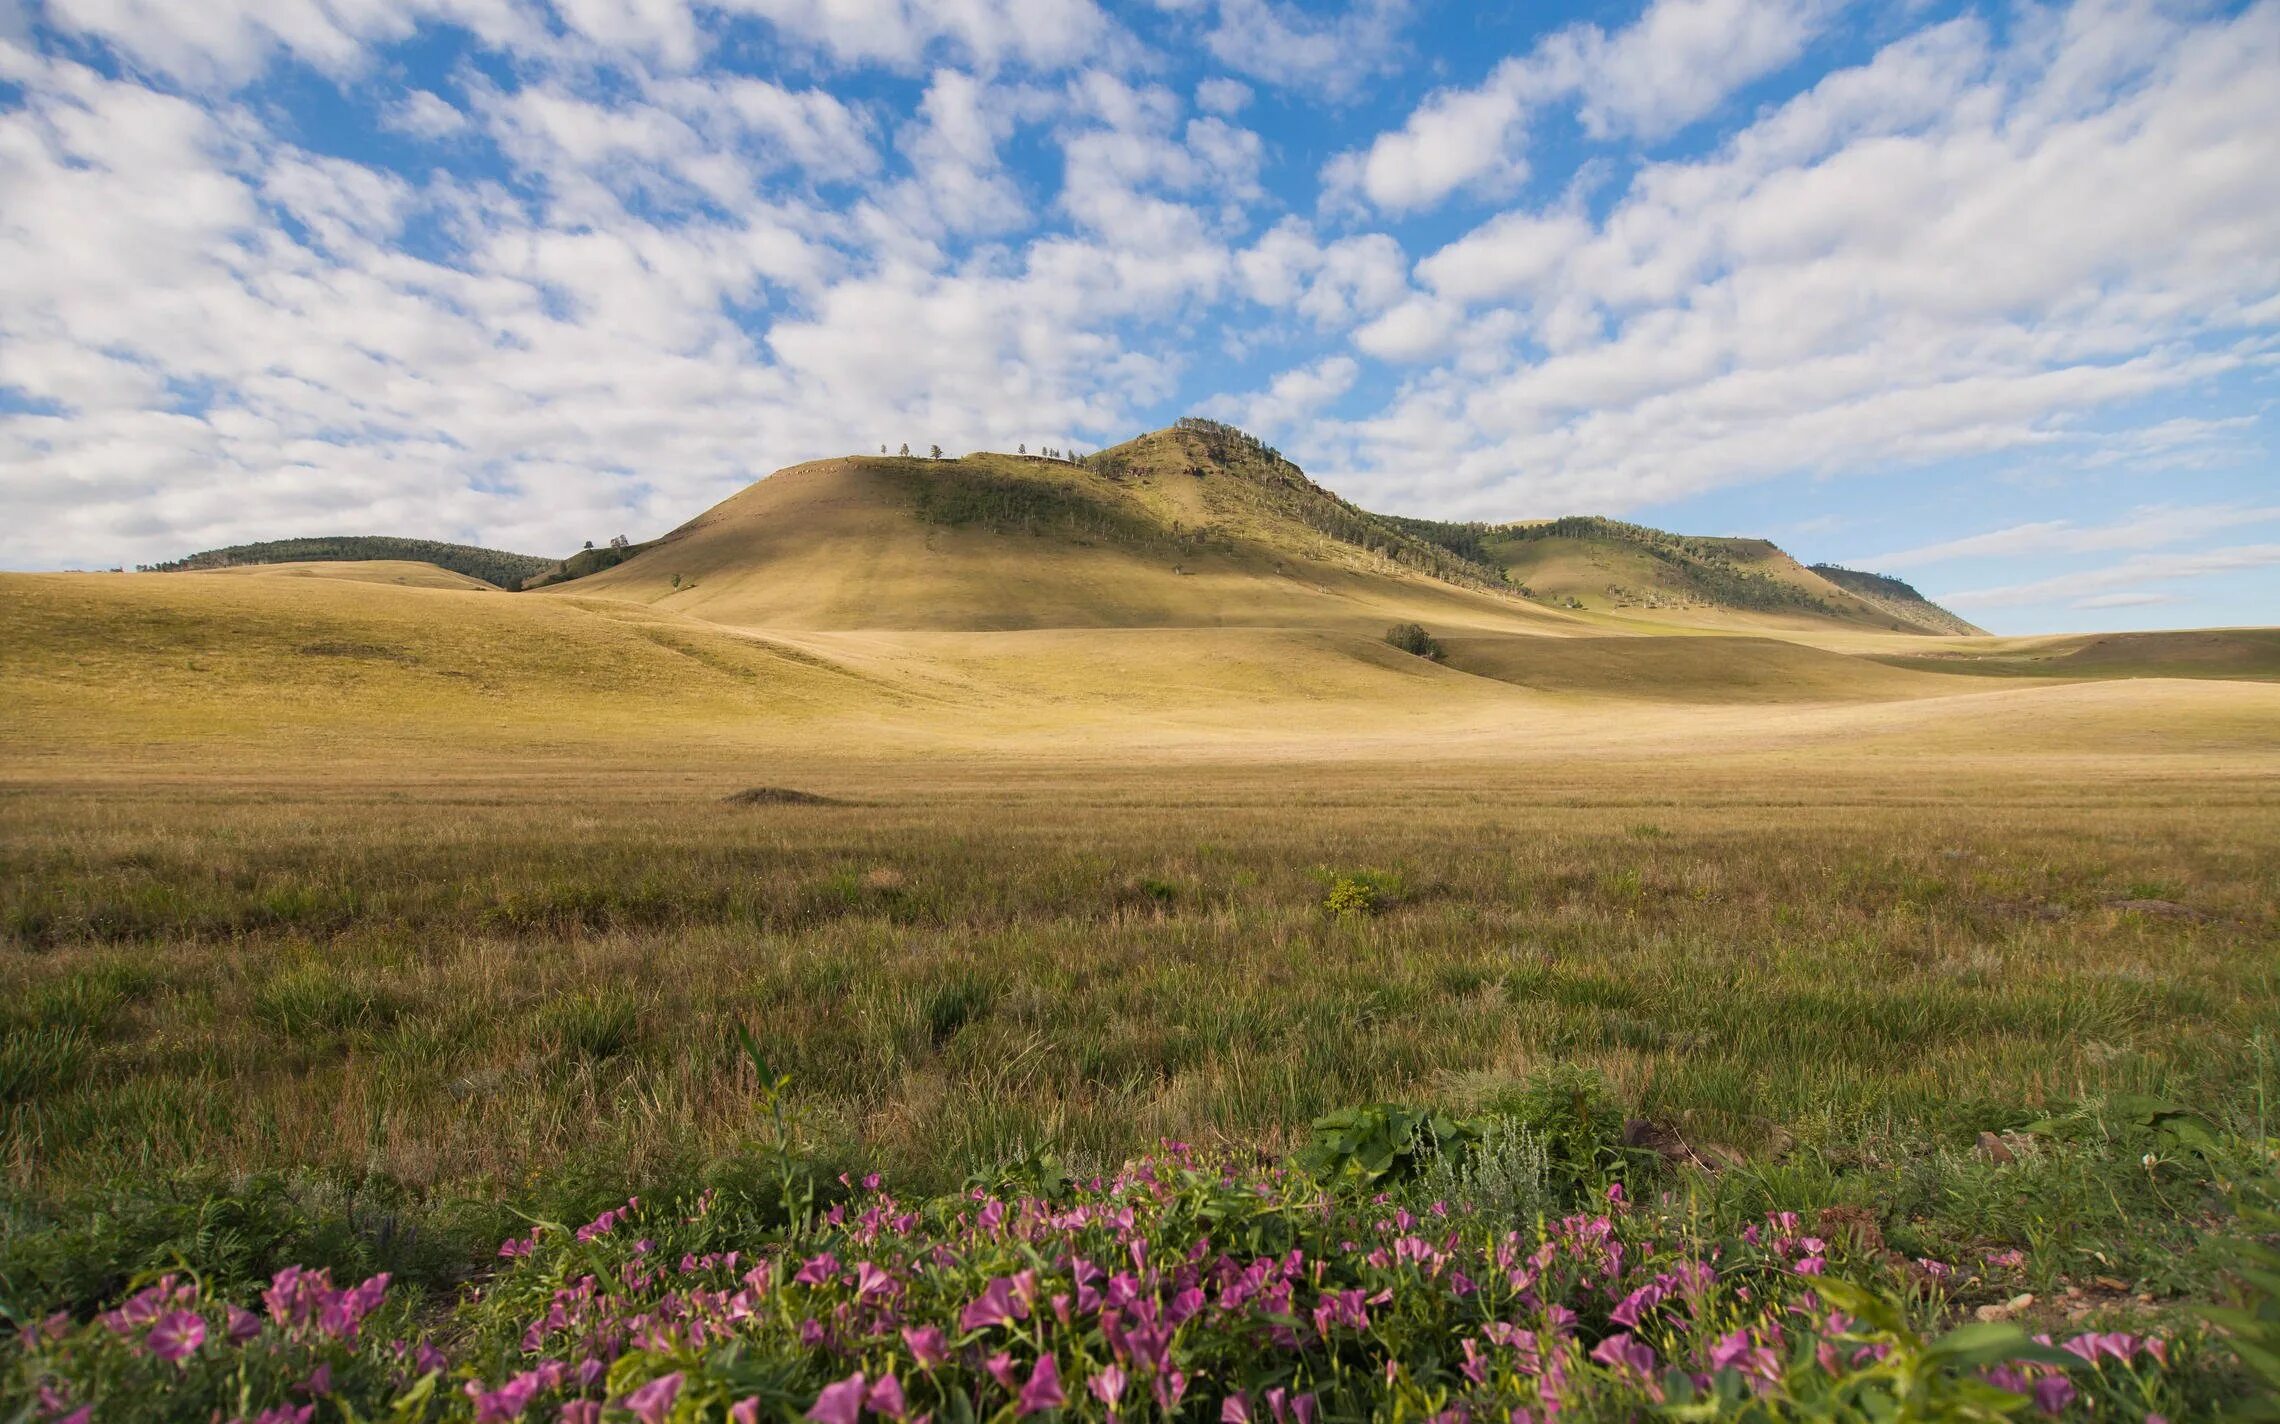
(161, 672)
(404, 573)
(1623, 585)
(995, 542)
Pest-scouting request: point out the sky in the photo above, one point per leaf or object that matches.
(1983, 296)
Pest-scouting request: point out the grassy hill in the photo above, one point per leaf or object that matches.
(1196, 526)
(1895, 597)
(1589, 564)
(404, 573)
(492, 566)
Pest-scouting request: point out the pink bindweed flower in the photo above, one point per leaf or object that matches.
(508, 1401)
(1043, 1391)
(1000, 1367)
(997, 1305)
(1626, 1353)
(886, 1398)
(926, 1345)
(654, 1400)
(1107, 1386)
(2053, 1393)
(243, 1325)
(176, 1335)
(840, 1403)
(745, 1410)
(581, 1411)
(820, 1270)
(1235, 1409)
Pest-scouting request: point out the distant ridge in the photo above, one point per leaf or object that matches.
(492, 566)
(1897, 598)
(1589, 563)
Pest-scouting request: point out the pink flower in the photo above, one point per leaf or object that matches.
(2053, 1393)
(745, 1411)
(652, 1401)
(176, 1335)
(840, 1403)
(1235, 1409)
(886, 1397)
(1000, 1366)
(819, 1270)
(997, 1305)
(926, 1345)
(580, 1411)
(243, 1325)
(506, 1402)
(1107, 1386)
(1626, 1353)
(1044, 1388)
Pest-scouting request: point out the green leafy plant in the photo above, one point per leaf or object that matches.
(1384, 1141)
(1358, 893)
(2253, 1325)
(2137, 1123)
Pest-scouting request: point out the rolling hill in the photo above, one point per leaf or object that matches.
(1196, 526)
(1193, 526)
(492, 566)
(1594, 565)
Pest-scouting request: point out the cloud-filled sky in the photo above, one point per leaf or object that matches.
(1985, 296)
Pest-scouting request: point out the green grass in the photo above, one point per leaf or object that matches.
(459, 995)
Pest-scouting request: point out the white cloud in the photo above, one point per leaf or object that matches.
(1893, 268)
(1292, 398)
(1413, 331)
(423, 115)
(227, 42)
(2120, 584)
(2153, 527)
(1333, 284)
(1678, 61)
(1320, 47)
(1223, 96)
(1041, 33)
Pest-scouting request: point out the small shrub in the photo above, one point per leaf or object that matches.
(1504, 1180)
(1357, 893)
(1570, 1112)
(1412, 638)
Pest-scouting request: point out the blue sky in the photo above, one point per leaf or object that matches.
(1986, 296)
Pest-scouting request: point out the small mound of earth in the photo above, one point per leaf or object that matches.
(779, 796)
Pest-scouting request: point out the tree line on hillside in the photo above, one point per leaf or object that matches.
(492, 566)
